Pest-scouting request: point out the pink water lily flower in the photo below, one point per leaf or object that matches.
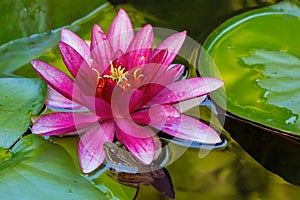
(121, 89)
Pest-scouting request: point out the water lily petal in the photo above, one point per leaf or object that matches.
(72, 59)
(159, 57)
(170, 73)
(188, 104)
(137, 58)
(76, 42)
(140, 49)
(120, 33)
(55, 78)
(157, 146)
(179, 69)
(188, 128)
(173, 44)
(156, 115)
(142, 148)
(90, 147)
(186, 89)
(119, 59)
(143, 39)
(62, 123)
(101, 50)
(152, 84)
(136, 100)
(86, 80)
(54, 99)
(97, 105)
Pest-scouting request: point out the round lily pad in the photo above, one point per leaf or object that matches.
(257, 55)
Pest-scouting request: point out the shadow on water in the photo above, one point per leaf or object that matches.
(198, 17)
(274, 151)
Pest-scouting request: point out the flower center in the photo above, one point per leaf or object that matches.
(116, 74)
(119, 76)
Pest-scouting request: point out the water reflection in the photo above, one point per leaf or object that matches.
(224, 173)
(198, 145)
(160, 179)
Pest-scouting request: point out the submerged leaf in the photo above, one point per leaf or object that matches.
(281, 77)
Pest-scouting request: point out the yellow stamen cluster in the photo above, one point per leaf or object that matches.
(116, 74)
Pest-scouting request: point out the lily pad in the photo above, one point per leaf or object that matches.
(257, 55)
(39, 169)
(19, 98)
(100, 178)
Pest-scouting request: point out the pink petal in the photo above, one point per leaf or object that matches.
(152, 83)
(156, 115)
(119, 59)
(101, 50)
(188, 104)
(137, 58)
(142, 148)
(149, 86)
(120, 33)
(159, 57)
(54, 99)
(186, 89)
(62, 123)
(55, 78)
(188, 128)
(179, 68)
(143, 39)
(90, 147)
(157, 146)
(75, 42)
(140, 49)
(97, 105)
(170, 73)
(86, 81)
(72, 59)
(173, 44)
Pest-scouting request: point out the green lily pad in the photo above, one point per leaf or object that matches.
(19, 98)
(100, 179)
(39, 169)
(257, 55)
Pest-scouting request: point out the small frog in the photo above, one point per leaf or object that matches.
(120, 159)
(132, 173)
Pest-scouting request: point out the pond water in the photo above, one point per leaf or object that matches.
(253, 164)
